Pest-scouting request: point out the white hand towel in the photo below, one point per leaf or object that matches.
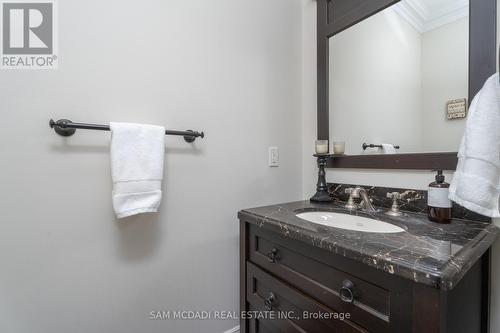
(388, 148)
(137, 153)
(371, 151)
(476, 182)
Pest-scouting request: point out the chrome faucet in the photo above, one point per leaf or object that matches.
(366, 203)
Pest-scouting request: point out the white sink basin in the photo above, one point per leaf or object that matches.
(350, 222)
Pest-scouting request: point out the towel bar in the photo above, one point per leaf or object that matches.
(371, 145)
(66, 127)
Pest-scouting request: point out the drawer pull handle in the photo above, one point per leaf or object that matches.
(269, 301)
(272, 255)
(345, 292)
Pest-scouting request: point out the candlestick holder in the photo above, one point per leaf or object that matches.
(322, 194)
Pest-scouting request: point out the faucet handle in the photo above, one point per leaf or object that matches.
(353, 193)
(395, 196)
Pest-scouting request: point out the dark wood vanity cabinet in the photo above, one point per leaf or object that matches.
(291, 286)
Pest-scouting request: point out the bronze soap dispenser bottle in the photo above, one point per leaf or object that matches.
(438, 204)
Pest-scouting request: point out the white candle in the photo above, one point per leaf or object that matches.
(321, 146)
(339, 147)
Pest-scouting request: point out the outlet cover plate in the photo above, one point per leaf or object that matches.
(274, 157)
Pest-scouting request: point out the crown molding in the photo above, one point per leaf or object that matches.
(423, 18)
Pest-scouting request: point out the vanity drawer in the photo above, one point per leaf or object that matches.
(374, 307)
(268, 295)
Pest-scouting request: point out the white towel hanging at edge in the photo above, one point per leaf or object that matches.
(476, 182)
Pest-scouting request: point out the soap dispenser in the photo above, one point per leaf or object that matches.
(438, 204)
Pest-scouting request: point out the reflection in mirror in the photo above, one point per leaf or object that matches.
(401, 77)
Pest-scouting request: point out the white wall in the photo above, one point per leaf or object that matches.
(415, 179)
(309, 100)
(229, 67)
(445, 64)
(376, 78)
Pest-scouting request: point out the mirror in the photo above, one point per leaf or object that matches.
(401, 77)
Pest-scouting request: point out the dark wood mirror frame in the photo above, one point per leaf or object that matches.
(334, 16)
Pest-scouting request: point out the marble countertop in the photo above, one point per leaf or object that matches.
(429, 253)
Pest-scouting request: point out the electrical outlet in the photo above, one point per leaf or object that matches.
(274, 157)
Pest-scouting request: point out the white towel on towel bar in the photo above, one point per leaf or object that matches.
(476, 182)
(388, 148)
(137, 154)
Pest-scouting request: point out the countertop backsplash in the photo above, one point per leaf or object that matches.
(417, 205)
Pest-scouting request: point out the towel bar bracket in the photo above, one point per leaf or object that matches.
(60, 127)
(190, 139)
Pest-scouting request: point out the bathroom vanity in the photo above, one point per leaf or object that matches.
(302, 276)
